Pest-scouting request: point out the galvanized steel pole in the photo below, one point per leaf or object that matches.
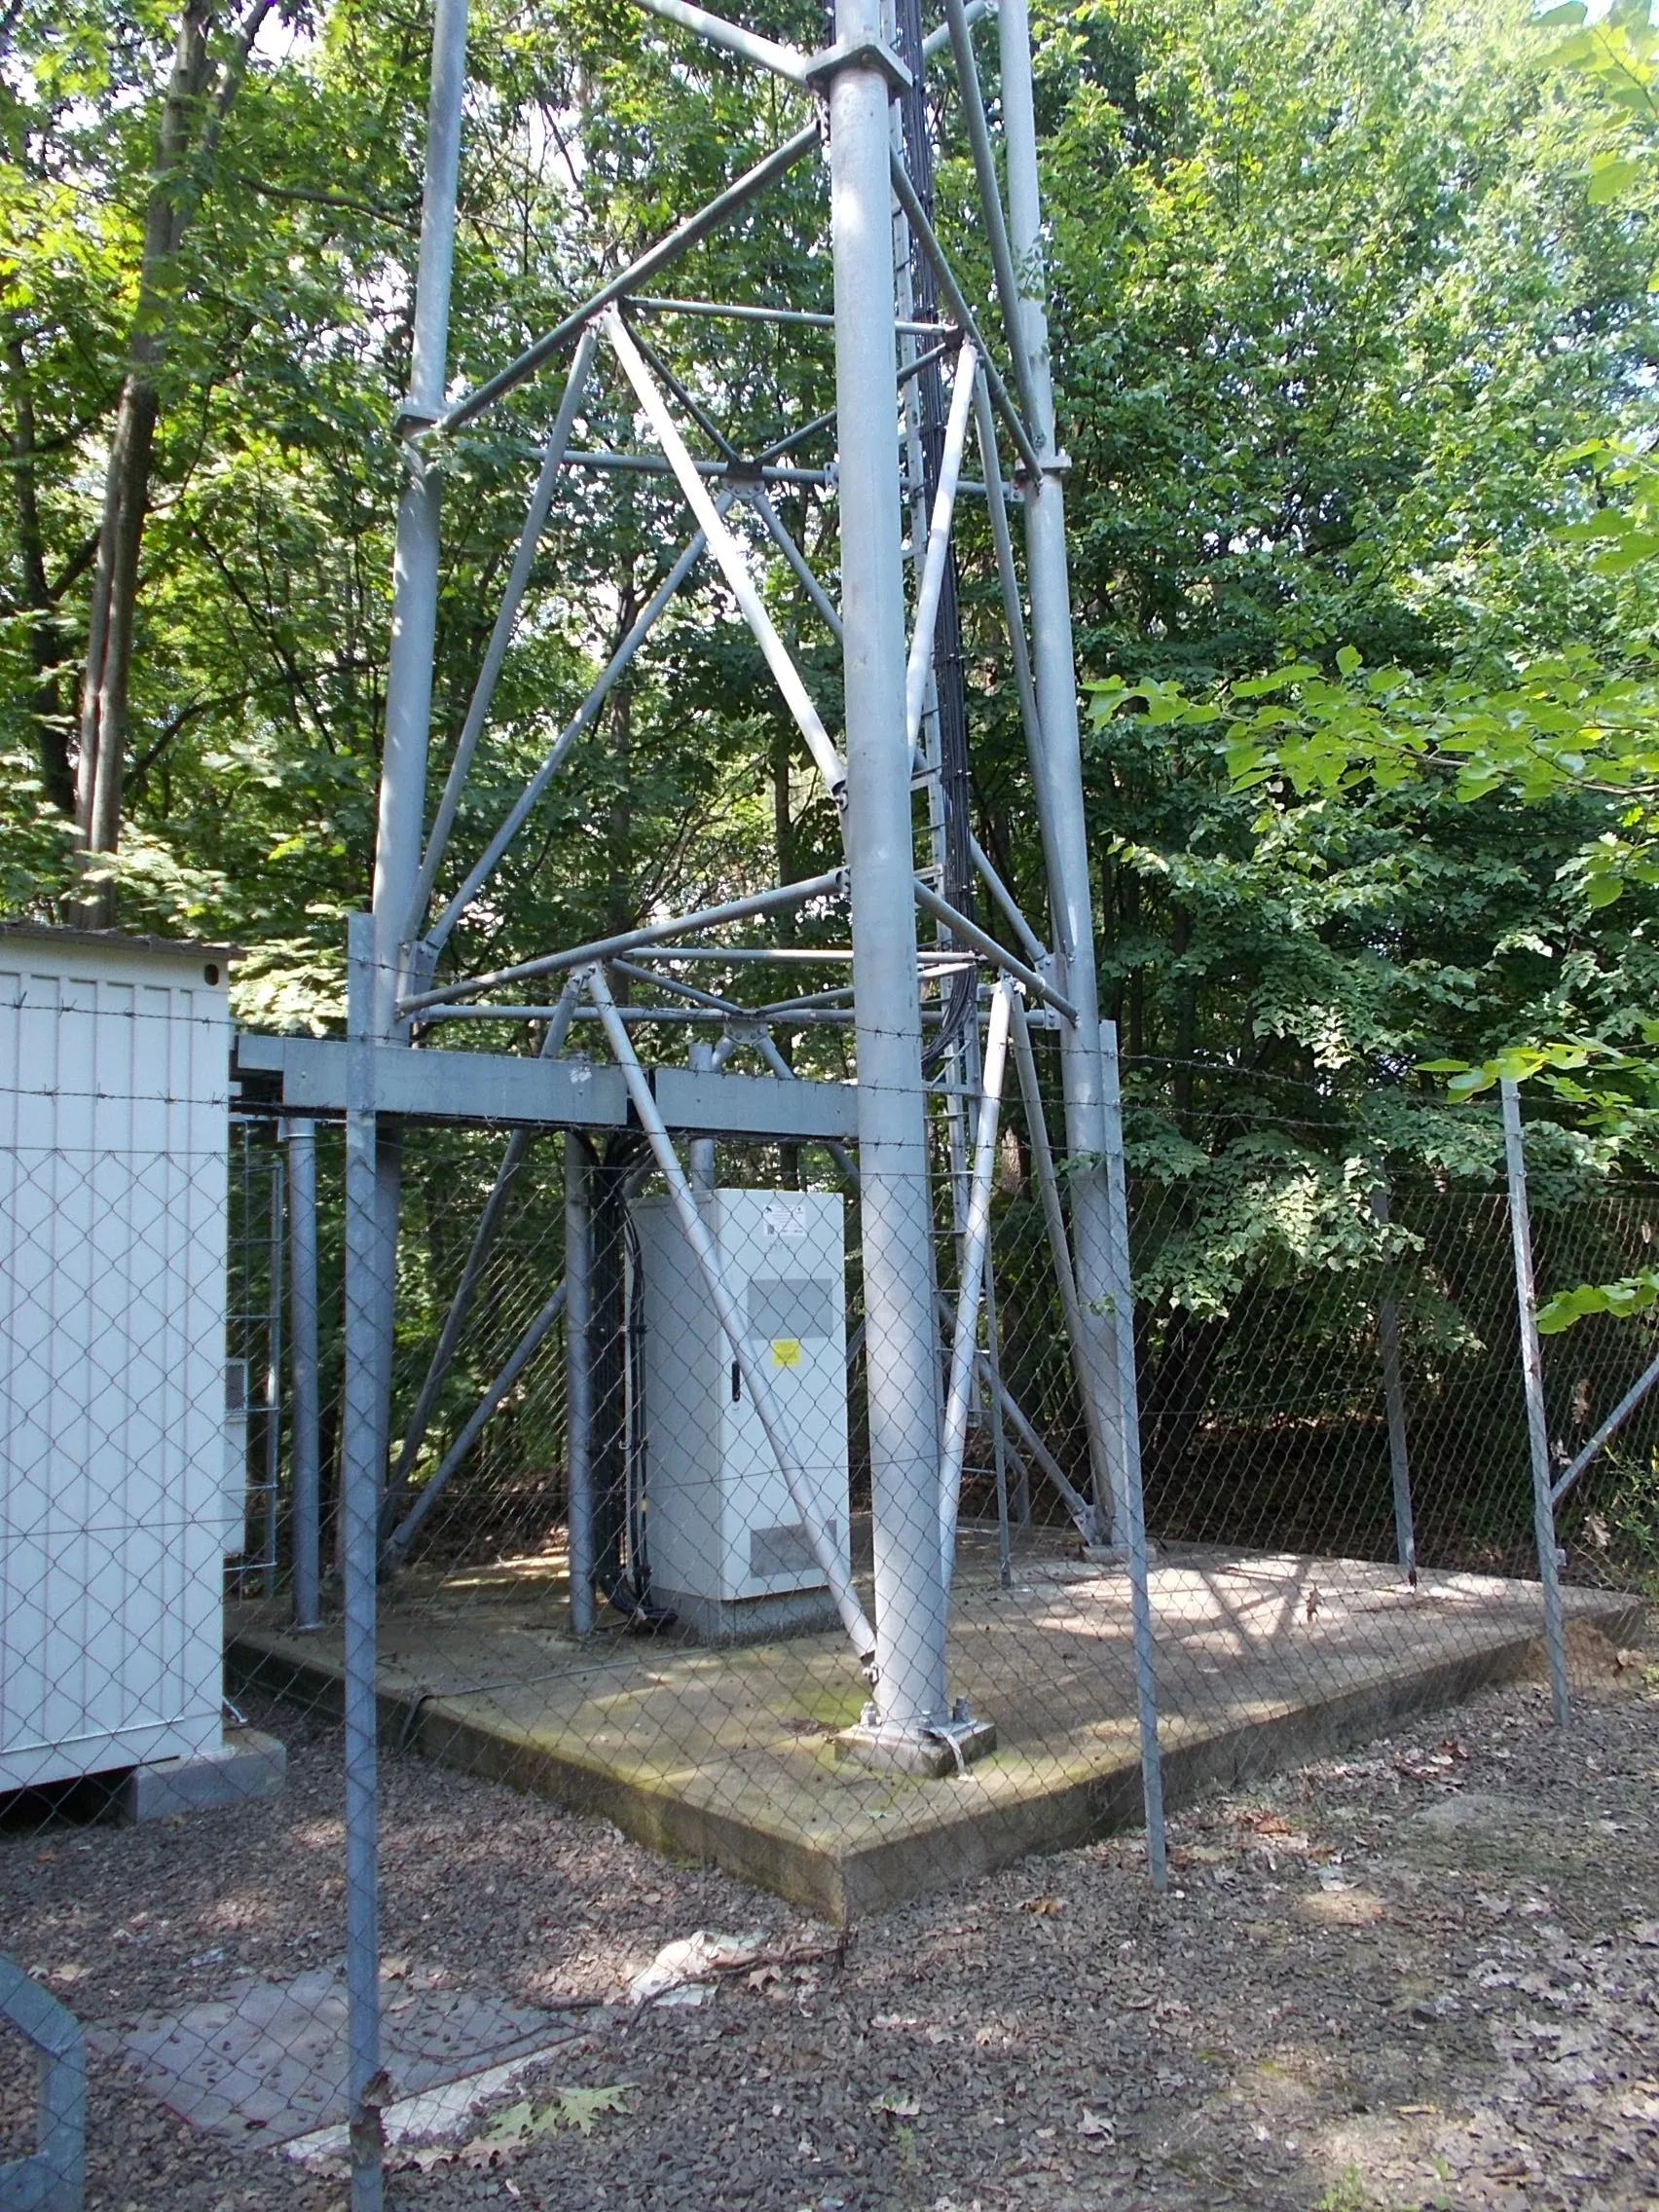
(1394, 1406)
(372, 1167)
(578, 1388)
(1533, 1384)
(363, 1463)
(1059, 782)
(414, 562)
(902, 1377)
(976, 1241)
(1131, 1532)
(305, 1465)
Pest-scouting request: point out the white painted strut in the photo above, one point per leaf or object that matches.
(727, 552)
(976, 1237)
(782, 61)
(939, 544)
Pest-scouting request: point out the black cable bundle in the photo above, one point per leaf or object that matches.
(615, 1349)
(948, 679)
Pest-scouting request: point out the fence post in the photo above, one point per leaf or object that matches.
(1532, 1381)
(578, 1387)
(304, 1395)
(362, 1466)
(1133, 1533)
(1394, 1400)
(272, 1439)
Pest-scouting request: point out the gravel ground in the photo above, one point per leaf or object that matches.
(1423, 1975)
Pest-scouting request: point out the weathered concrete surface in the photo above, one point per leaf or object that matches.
(248, 1764)
(726, 1754)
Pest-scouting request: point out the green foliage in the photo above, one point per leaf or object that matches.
(1636, 1294)
(1630, 1514)
(1343, 346)
(1264, 1207)
(1352, 331)
(264, 605)
(1347, 2194)
(1619, 56)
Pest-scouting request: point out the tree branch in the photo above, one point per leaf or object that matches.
(76, 566)
(402, 219)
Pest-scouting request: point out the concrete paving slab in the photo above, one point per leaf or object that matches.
(247, 1764)
(727, 1755)
(265, 2062)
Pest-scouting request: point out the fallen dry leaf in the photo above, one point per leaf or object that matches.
(896, 2106)
(565, 2108)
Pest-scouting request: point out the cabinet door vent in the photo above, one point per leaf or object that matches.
(782, 1551)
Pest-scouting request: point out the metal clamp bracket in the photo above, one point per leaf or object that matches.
(409, 418)
(856, 54)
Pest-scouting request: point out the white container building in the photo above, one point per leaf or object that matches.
(114, 1132)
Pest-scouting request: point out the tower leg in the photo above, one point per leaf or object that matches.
(1059, 784)
(910, 1696)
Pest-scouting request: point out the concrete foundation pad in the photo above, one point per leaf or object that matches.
(933, 1754)
(247, 1764)
(729, 1754)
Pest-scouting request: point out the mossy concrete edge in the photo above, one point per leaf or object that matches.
(1097, 1796)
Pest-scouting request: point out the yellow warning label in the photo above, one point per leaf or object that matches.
(785, 1352)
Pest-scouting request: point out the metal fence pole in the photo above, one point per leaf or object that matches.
(1053, 1218)
(1532, 1383)
(1394, 1403)
(1133, 1532)
(902, 1375)
(273, 1387)
(374, 1170)
(304, 1394)
(362, 1462)
(578, 1385)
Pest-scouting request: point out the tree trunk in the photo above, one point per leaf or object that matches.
(175, 181)
(1186, 1025)
(52, 735)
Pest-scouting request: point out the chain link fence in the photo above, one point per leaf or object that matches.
(1338, 1496)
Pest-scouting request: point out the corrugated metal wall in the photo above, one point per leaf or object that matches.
(114, 1083)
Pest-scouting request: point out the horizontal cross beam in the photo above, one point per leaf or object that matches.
(512, 1090)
